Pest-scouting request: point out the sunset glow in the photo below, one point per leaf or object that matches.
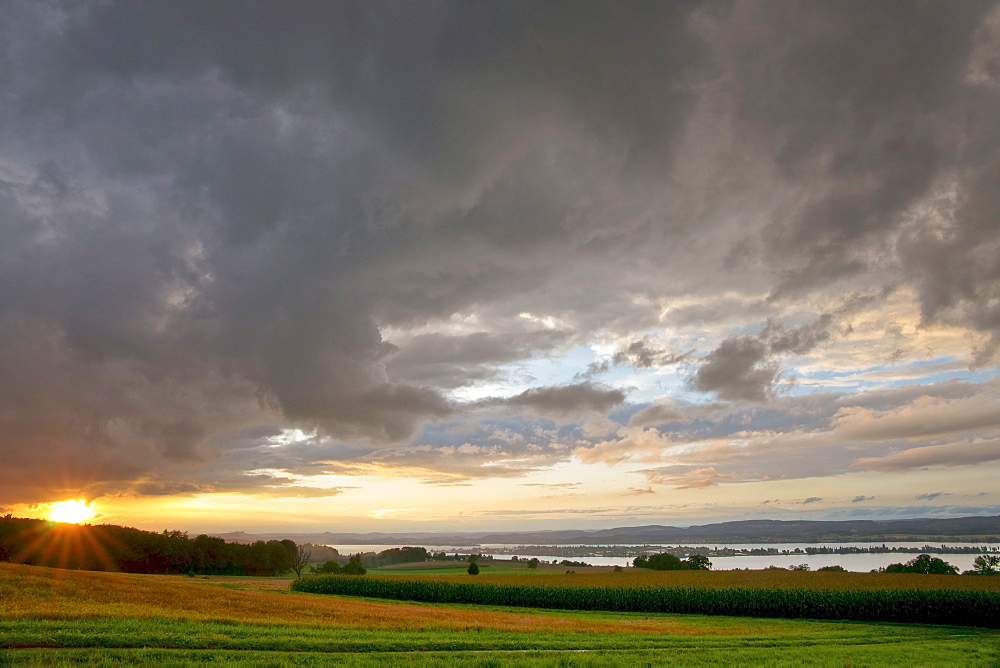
(75, 511)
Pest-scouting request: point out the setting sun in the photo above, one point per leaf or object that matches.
(74, 512)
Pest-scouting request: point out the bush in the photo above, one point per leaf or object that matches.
(473, 568)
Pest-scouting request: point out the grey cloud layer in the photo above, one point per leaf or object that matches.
(210, 213)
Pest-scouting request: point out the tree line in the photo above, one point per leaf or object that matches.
(984, 564)
(107, 547)
(668, 562)
(358, 564)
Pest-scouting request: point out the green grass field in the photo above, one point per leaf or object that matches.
(55, 617)
(505, 572)
(459, 568)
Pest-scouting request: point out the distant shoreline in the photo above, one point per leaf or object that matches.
(972, 530)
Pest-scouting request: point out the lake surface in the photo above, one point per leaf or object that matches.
(853, 562)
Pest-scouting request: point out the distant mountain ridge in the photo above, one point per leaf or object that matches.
(741, 531)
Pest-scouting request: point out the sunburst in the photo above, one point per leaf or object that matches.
(75, 511)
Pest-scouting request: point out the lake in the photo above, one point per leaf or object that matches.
(853, 562)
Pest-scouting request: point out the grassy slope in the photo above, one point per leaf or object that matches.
(50, 616)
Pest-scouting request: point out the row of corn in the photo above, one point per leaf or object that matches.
(964, 608)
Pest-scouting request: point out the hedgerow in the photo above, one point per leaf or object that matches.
(962, 608)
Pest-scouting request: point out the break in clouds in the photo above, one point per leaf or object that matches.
(371, 224)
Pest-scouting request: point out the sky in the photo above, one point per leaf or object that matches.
(446, 266)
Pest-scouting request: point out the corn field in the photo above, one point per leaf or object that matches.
(955, 607)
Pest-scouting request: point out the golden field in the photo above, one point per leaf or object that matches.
(48, 593)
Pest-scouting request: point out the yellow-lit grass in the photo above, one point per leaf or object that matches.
(46, 593)
(776, 579)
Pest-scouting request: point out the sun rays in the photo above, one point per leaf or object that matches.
(75, 511)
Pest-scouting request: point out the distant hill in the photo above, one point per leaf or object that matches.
(743, 531)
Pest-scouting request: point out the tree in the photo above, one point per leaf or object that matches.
(533, 563)
(925, 564)
(834, 569)
(659, 562)
(473, 568)
(698, 562)
(354, 567)
(400, 555)
(330, 567)
(300, 557)
(986, 564)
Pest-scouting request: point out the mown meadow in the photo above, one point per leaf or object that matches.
(61, 617)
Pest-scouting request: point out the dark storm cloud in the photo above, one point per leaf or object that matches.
(565, 400)
(739, 369)
(204, 197)
(454, 361)
(888, 110)
(211, 212)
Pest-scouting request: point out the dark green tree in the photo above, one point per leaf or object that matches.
(986, 564)
(473, 568)
(698, 562)
(354, 567)
(330, 567)
(659, 562)
(925, 564)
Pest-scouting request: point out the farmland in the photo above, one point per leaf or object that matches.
(52, 616)
(555, 576)
(642, 593)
